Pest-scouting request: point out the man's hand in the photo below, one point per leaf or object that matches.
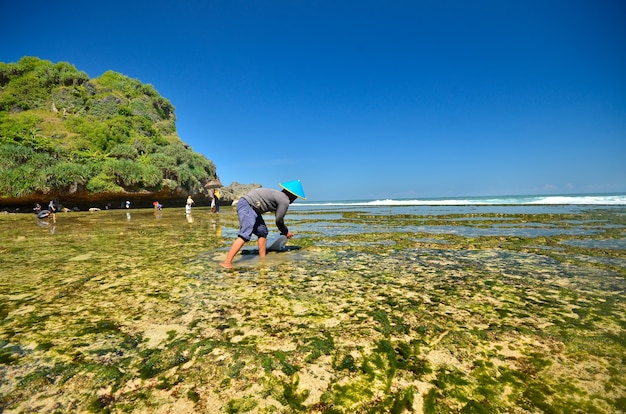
(289, 234)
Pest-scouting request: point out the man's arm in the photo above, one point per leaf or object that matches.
(281, 210)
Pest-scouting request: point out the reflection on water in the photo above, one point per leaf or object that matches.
(47, 224)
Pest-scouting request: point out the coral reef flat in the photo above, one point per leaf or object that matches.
(377, 311)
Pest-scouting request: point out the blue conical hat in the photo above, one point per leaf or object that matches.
(294, 187)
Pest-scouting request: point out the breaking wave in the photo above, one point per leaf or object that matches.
(609, 199)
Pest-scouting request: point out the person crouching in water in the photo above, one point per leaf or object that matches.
(250, 209)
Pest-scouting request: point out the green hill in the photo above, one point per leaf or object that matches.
(64, 135)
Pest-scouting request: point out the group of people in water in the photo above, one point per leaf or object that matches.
(53, 206)
(50, 212)
(215, 202)
(250, 209)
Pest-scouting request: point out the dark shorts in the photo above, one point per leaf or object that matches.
(43, 214)
(250, 222)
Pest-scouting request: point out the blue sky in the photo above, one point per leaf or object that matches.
(367, 99)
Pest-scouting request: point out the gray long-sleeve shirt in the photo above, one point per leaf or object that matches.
(264, 200)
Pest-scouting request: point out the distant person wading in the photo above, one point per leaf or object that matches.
(188, 204)
(215, 201)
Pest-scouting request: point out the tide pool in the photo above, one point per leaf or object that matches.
(418, 309)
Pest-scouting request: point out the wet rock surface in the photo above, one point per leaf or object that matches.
(125, 311)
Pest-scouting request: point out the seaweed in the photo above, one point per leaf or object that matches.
(473, 313)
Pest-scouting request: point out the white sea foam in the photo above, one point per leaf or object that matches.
(609, 199)
(585, 200)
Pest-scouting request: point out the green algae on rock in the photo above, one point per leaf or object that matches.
(120, 311)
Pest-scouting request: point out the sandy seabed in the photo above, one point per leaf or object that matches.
(129, 311)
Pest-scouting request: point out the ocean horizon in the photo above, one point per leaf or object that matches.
(604, 199)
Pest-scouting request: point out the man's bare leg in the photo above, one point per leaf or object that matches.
(234, 249)
(262, 246)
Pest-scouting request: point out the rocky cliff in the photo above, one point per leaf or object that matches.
(91, 142)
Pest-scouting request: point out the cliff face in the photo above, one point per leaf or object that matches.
(83, 201)
(91, 142)
(234, 191)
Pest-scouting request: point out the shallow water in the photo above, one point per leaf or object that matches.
(381, 310)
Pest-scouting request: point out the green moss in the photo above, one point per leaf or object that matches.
(620, 404)
(193, 396)
(536, 362)
(536, 396)
(431, 402)
(475, 407)
(156, 361)
(104, 326)
(319, 346)
(235, 368)
(347, 362)
(449, 378)
(166, 383)
(100, 404)
(283, 361)
(44, 346)
(105, 374)
(504, 325)
(395, 403)
(292, 396)
(4, 311)
(41, 377)
(241, 405)
(382, 318)
(266, 363)
(10, 354)
(349, 395)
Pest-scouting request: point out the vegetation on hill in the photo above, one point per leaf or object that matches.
(63, 133)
